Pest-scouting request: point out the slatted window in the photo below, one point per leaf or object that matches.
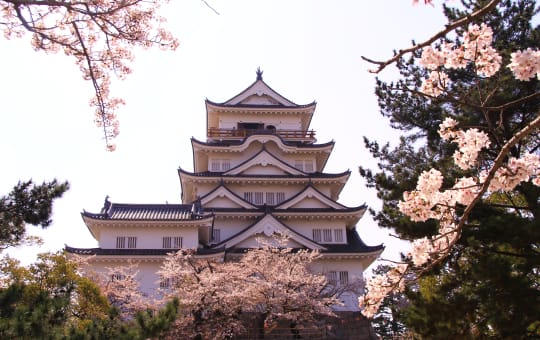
(343, 278)
(305, 165)
(165, 283)
(172, 242)
(117, 277)
(219, 165)
(308, 166)
(132, 242)
(338, 235)
(216, 235)
(332, 278)
(260, 198)
(327, 235)
(270, 198)
(120, 242)
(338, 278)
(317, 235)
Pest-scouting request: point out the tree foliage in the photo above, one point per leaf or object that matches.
(51, 299)
(487, 282)
(27, 203)
(265, 287)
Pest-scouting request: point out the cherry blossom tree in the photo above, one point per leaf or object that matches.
(268, 286)
(495, 155)
(99, 34)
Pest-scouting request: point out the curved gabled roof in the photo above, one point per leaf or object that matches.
(259, 88)
(244, 143)
(223, 190)
(136, 251)
(221, 175)
(310, 191)
(264, 157)
(354, 245)
(268, 225)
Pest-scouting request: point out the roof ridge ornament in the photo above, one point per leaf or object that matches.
(259, 73)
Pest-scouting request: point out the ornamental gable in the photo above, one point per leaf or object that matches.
(264, 163)
(310, 198)
(269, 226)
(224, 198)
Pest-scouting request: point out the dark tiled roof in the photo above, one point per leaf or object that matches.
(259, 79)
(173, 212)
(354, 245)
(314, 175)
(272, 209)
(136, 252)
(268, 106)
(299, 144)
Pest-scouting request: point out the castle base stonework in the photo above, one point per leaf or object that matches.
(347, 326)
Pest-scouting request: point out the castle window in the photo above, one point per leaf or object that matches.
(172, 242)
(121, 242)
(117, 277)
(270, 198)
(338, 278)
(165, 283)
(132, 242)
(260, 198)
(338, 235)
(219, 165)
(328, 235)
(216, 235)
(305, 165)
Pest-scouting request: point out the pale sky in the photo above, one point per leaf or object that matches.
(309, 50)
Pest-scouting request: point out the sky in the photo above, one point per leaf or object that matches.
(308, 50)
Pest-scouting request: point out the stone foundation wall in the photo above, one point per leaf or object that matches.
(348, 326)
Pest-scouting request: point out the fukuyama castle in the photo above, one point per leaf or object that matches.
(259, 173)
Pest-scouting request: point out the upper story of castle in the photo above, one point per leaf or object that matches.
(259, 110)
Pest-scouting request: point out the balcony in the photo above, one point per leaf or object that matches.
(288, 135)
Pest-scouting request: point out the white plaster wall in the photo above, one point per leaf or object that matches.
(147, 273)
(230, 227)
(149, 237)
(355, 269)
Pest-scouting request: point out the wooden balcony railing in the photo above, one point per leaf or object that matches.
(300, 135)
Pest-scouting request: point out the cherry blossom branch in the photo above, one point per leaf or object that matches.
(99, 34)
(441, 34)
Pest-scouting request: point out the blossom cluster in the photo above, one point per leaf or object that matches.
(379, 286)
(476, 48)
(525, 65)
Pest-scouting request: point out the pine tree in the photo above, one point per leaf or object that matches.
(27, 203)
(488, 285)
